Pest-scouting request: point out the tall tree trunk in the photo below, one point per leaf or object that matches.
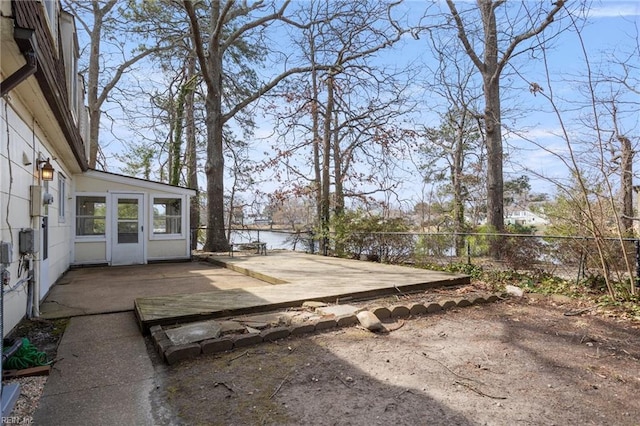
(337, 169)
(214, 169)
(175, 147)
(458, 198)
(495, 190)
(191, 154)
(101, 21)
(627, 185)
(491, 66)
(326, 162)
(338, 208)
(315, 116)
(223, 34)
(93, 103)
(492, 114)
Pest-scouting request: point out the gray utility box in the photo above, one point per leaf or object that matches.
(27, 241)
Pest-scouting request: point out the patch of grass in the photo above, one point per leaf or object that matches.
(59, 327)
(42, 333)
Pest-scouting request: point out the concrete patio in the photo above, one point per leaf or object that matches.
(99, 290)
(296, 278)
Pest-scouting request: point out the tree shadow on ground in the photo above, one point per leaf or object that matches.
(294, 382)
(500, 364)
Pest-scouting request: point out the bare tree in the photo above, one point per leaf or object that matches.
(192, 154)
(599, 169)
(109, 37)
(453, 151)
(228, 23)
(490, 55)
(335, 119)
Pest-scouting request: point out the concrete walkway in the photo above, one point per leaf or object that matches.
(103, 376)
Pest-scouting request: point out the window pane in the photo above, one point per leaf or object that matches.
(90, 226)
(159, 226)
(127, 232)
(90, 215)
(167, 216)
(92, 206)
(127, 208)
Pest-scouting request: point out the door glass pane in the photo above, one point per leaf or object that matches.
(127, 221)
(127, 208)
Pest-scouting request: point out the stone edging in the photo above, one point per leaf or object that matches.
(172, 353)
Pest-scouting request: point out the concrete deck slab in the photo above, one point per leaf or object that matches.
(304, 277)
(104, 375)
(99, 290)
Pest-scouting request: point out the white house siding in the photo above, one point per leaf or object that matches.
(168, 249)
(525, 217)
(21, 141)
(89, 253)
(86, 183)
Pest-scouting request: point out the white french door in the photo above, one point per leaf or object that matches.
(127, 241)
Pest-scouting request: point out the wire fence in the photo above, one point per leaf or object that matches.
(565, 257)
(561, 256)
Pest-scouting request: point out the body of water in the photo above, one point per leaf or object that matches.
(273, 239)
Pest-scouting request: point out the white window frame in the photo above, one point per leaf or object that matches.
(107, 226)
(73, 85)
(183, 222)
(69, 49)
(62, 198)
(50, 8)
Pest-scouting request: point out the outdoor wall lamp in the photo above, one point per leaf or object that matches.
(46, 169)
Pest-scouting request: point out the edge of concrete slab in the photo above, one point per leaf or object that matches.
(244, 271)
(172, 354)
(146, 323)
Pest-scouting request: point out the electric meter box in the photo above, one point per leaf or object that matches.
(5, 253)
(36, 200)
(27, 241)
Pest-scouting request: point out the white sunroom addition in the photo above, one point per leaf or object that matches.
(120, 220)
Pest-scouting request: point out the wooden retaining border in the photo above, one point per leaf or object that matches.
(172, 353)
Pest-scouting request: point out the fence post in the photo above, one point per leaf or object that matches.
(312, 242)
(466, 240)
(194, 238)
(637, 242)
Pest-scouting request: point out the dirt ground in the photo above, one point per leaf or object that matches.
(513, 362)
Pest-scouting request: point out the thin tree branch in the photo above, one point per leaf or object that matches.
(559, 4)
(196, 36)
(462, 35)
